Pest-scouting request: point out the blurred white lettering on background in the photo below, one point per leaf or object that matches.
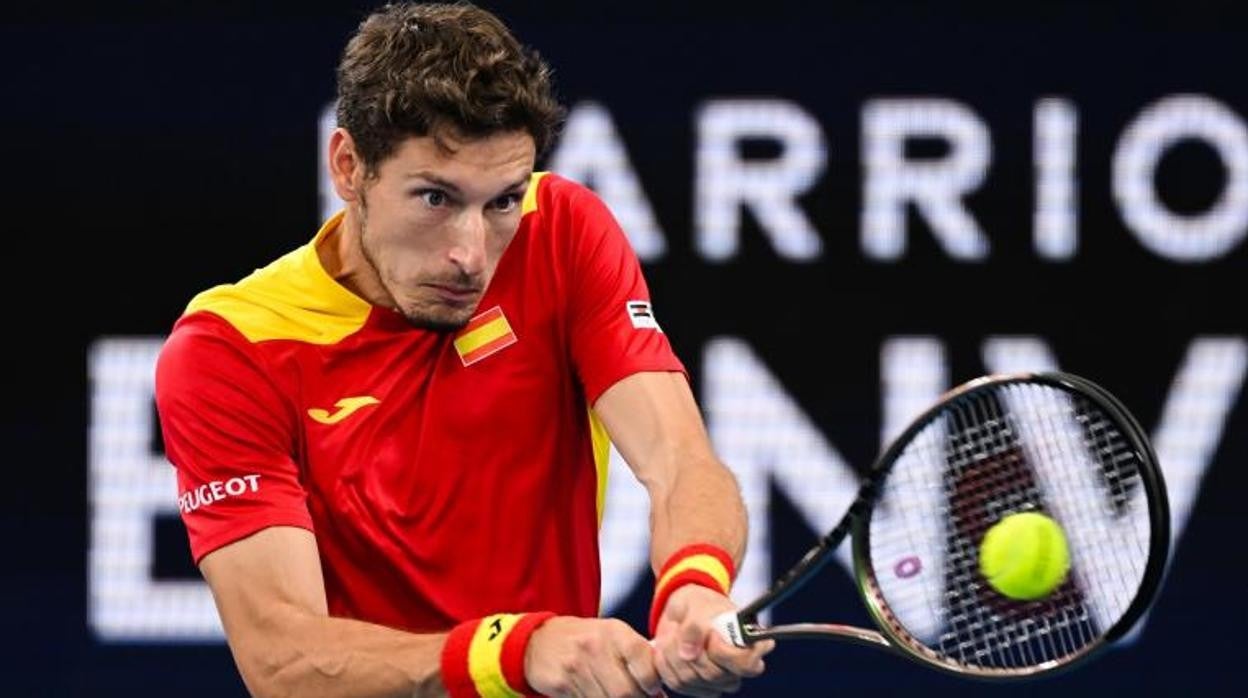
(726, 183)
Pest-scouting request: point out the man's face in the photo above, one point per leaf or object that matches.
(436, 219)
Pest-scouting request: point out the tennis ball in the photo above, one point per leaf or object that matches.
(1024, 556)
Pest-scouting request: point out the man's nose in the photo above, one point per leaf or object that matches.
(468, 247)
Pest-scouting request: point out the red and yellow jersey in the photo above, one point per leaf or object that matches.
(445, 475)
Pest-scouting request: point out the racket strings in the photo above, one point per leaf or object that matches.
(1105, 522)
(1012, 633)
(995, 452)
(987, 478)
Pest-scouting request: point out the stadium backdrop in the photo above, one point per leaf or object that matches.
(840, 211)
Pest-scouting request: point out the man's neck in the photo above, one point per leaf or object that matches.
(342, 255)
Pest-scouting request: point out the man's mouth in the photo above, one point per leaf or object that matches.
(455, 294)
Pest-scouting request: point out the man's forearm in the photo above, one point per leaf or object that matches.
(310, 655)
(701, 504)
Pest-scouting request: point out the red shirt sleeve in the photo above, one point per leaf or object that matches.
(230, 435)
(614, 333)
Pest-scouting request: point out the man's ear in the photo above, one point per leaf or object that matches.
(346, 169)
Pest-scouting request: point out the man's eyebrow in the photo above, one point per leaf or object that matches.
(434, 179)
(454, 188)
(518, 184)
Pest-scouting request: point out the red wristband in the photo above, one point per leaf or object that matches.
(455, 674)
(485, 657)
(701, 564)
(514, 647)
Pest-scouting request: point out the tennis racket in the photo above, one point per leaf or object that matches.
(1052, 443)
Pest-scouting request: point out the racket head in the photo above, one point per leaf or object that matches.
(1050, 442)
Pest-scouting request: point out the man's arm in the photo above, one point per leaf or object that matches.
(270, 594)
(655, 423)
(656, 426)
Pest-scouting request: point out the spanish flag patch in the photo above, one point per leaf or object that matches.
(484, 335)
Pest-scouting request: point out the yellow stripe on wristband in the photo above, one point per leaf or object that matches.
(702, 562)
(485, 654)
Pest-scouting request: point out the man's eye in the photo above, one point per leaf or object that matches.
(433, 198)
(507, 203)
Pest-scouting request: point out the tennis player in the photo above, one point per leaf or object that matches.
(391, 443)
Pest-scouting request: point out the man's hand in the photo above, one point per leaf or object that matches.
(590, 657)
(690, 655)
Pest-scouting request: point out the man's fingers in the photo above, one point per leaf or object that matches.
(714, 676)
(758, 651)
(682, 681)
(699, 678)
(739, 661)
(676, 672)
(639, 662)
(691, 637)
(666, 674)
(615, 680)
(585, 685)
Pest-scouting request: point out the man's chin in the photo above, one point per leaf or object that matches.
(442, 320)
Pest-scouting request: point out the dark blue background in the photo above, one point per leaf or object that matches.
(153, 149)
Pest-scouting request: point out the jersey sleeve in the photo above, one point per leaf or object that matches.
(230, 436)
(614, 333)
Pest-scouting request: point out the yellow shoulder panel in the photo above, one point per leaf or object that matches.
(529, 203)
(292, 298)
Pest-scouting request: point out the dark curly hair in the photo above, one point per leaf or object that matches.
(416, 69)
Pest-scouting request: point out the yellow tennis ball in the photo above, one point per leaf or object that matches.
(1024, 556)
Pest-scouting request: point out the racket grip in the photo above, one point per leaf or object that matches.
(728, 625)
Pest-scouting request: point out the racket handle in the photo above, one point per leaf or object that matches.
(728, 625)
